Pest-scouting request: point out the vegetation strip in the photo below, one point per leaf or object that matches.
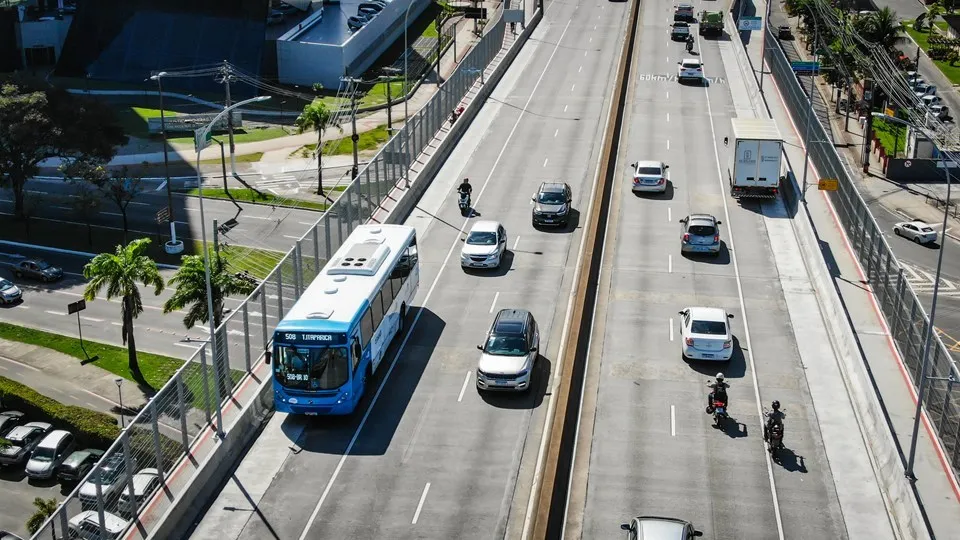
(251, 196)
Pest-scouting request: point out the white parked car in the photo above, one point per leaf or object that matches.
(650, 176)
(917, 231)
(705, 334)
(689, 68)
(86, 525)
(484, 246)
(144, 483)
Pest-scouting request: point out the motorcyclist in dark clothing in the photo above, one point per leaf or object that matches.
(465, 187)
(775, 416)
(718, 393)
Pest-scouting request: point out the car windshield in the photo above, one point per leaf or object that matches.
(649, 171)
(106, 477)
(702, 230)
(313, 368)
(43, 454)
(41, 264)
(691, 65)
(506, 346)
(4, 284)
(482, 238)
(551, 197)
(714, 328)
(926, 229)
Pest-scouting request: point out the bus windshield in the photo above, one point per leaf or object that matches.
(312, 368)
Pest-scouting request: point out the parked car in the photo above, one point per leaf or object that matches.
(284, 8)
(37, 269)
(940, 112)
(918, 231)
(9, 420)
(368, 10)
(86, 525)
(50, 453)
(9, 293)
(5, 535)
(784, 32)
(23, 439)
(110, 476)
(144, 483)
(78, 464)
(275, 17)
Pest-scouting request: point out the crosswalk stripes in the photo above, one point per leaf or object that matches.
(284, 181)
(922, 281)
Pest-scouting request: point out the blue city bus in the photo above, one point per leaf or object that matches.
(337, 334)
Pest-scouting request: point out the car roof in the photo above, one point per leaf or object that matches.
(43, 425)
(115, 524)
(80, 455)
(511, 321)
(660, 528)
(915, 223)
(691, 60)
(702, 217)
(54, 437)
(17, 414)
(684, 6)
(556, 187)
(708, 314)
(20, 432)
(486, 225)
(649, 163)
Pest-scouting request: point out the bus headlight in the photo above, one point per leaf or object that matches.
(343, 397)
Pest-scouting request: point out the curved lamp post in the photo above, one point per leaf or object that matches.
(174, 246)
(201, 140)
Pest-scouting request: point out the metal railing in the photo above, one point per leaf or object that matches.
(160, 436)
(903, 312)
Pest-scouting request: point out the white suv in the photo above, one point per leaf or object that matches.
(484, 246)
(689, 68)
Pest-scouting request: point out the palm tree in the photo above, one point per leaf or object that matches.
(120, 272)
(317, 116)
(884, 28)
(190, 281)
(45, 509)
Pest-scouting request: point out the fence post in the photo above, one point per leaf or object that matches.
(155, 420)
(946, 405)
(279, 293)
(101, 519)
(326, 234)
(128, 471)
(874, 240)
(206, 386)
(316, 251)
(297, 270)
(217, 396)
(263, 314)
(246, 338)
(64, 521)
(347, 207)
(182, 407)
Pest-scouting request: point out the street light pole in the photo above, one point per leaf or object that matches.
(806, 137)
(200, 137)
(406, 55)
(119, 383)
(166, 159)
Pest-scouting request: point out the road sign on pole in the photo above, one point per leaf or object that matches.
(77, 307)
(201, 138)
(828, 184)
(748, 24)
(805, 68)
(163, 216)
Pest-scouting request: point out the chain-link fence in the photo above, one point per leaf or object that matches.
(120, 488)
(904, 314)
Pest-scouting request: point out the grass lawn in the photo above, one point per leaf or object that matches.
(952, 72)
(249, 195)
(369, 140)
(890, 134)
(246, 158)
(259, 262)
(134, 119)
(377, 95)
(431, 31)
(242, 135)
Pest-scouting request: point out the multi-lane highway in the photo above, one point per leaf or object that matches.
(431, 457)
(654, 450)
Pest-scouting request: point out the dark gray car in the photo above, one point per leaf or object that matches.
(9, 420)
(78, 464)
(551, 204)
(701, 234)
(37, 269)
(23, 439)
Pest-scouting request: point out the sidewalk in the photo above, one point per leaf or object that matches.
(938, 493)
(279, 149)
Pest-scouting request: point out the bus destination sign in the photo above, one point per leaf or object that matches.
(311, 338)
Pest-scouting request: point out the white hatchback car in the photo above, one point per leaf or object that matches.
(484, 246)
(650, 176)
(705, 334)
(690, 68)
(917, 231)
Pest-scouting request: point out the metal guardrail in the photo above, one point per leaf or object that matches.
(171, 423)
(902, 310)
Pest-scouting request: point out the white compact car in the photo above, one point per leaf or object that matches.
(689, 69)
(705, 334)
(484, 246)
(917, 231)
(650, 176)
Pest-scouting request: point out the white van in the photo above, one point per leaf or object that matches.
(86, 525)
(50, 453)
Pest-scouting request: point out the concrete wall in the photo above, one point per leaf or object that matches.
(920, 170)
(44, 34)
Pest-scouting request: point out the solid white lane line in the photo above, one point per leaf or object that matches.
(161, 186)
(186, 345)
(112, 214)
(92, 319)
(466, 381)
(423, 497)
(291, 237)
(673, 421)
(135, 203)
(516, 242)
(545, 160)
(671, 328)
(572, 87)
(54, 312)
(556, 132)
(306, 222)
(115, 323)
(743, 308)
(494, 303)
(670, 266)
(255, 217)
(426, 299)
(669, 215)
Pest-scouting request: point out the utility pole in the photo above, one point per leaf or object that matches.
(216, 237)
(476, 31)
(353, 123)
(439, 44)
(868, 95)
(226, 79)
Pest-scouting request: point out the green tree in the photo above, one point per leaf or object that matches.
(885, 29)
(120, 272)
(191, 289)
(40, 123)
(44, 509)
(318, 117)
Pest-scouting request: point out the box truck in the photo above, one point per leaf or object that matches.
(757, 156)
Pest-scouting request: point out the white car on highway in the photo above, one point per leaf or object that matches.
(705, 334)
(650, 176)
(484, 246)
(690, 68)
(917, 231)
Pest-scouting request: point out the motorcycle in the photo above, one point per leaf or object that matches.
(719, 413)
(464, 203)
(774, 438)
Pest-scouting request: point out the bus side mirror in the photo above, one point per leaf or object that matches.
(266, 357)
(480, 347)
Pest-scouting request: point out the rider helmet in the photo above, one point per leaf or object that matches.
(720, 377)
(466, 180)
(775, 405)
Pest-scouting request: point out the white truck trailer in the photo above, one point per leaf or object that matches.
(757, 159)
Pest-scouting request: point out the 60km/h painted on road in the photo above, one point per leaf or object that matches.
(653, 77)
